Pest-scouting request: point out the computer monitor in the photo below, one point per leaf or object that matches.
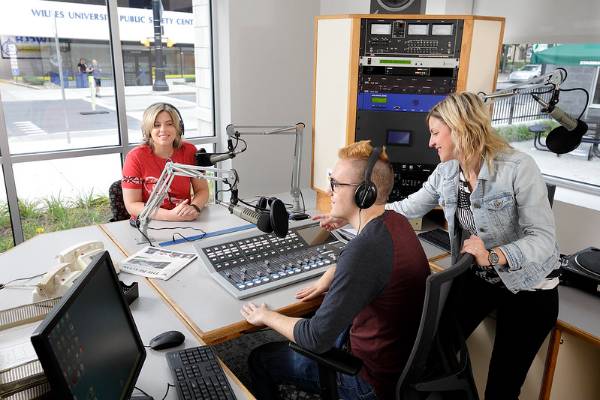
(88, 344)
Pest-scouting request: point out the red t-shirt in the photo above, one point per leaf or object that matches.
(143, 168)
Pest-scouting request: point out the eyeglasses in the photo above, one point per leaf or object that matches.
(333, 184)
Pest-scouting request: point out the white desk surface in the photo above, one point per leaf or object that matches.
(151, 313)
(211, 310)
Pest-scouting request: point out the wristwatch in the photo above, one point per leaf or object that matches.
(493, 258)
(196, 207)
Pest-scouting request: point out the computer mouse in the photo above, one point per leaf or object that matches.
(166, 340)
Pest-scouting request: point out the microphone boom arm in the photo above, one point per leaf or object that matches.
(551, 80)
(233, 130)
(163, 184)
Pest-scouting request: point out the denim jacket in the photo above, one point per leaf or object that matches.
(511, 211)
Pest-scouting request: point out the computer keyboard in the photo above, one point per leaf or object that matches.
(437, 237)
(198, 374)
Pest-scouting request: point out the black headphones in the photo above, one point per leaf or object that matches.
(366, 193)
(273, 216)
(181, 127)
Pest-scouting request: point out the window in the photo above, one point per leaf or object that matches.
(6, 237)
(513, 117)
(596, 95)
(65, 121)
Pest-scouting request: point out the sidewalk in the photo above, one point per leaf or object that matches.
(71, 178)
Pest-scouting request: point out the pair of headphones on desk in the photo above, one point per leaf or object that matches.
(273, 216)
(181, 126)
(366, 193)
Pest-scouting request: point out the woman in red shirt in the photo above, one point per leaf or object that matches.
(162, 129)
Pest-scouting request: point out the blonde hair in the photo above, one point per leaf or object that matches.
(471, 129)
(149, 117)
(382, 175)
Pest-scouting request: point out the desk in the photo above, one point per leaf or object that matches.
(151, 314)
(212, 312)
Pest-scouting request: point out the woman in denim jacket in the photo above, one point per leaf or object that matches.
(496, 206)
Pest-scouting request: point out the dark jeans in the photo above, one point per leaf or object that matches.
(274, 363)
(523, 320)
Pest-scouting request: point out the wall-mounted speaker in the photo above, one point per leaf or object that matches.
(398, 6)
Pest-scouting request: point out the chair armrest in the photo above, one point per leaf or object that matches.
(335, 359)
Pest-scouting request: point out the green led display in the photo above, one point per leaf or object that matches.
(394, 62)
(378, 99)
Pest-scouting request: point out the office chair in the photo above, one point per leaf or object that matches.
(117, 205)
(419, 379)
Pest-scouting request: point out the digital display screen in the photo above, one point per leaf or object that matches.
(442, 29)
(418, 29)
(398, 138)
(381, 29)
(315, 235)
(379, 99)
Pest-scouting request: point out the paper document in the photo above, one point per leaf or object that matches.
(17, 354)
(153, 262)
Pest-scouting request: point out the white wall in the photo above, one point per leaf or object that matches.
(533, 21)
(265, 62)
(345, 7)
(544, 21)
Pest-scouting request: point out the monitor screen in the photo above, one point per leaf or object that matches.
(89, 345)
(398, 138)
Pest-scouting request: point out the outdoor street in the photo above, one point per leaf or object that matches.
(37, 119)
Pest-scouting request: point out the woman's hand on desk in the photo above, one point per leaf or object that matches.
(318, 288)
(328, 222)
(184, 212)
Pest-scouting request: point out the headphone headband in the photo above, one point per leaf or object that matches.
(366, 193)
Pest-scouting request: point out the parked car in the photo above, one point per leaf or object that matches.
(527, 72)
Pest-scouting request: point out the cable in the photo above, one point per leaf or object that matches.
(303, 205)
(187, 239)
(145, 237)
(177, 227)
(144, 393)
(169, 386)
(587, 99)
(6, 284)
(359, 221)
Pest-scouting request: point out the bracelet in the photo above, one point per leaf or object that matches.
(196, 207)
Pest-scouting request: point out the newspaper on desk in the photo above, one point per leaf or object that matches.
(153, 262)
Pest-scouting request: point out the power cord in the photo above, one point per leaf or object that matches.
(7, 284)
(169, 386)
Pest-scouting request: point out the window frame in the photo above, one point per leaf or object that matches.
(8, 160)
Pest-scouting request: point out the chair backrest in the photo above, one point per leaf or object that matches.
(437, 288)
(117, 204)
(551, 189)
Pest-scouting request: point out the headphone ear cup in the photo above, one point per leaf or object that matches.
(261, 204)
(365, 195)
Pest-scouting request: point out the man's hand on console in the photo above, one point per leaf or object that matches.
(328, 222)
(256, 315)
(317, 288)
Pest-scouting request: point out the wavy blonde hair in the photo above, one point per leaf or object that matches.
(382, 175)
(149, 117)
(470, 123)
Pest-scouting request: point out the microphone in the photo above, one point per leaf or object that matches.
(204, 159)
(567, 137)
(276, 220)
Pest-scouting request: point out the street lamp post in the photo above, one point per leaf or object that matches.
(160, 84)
